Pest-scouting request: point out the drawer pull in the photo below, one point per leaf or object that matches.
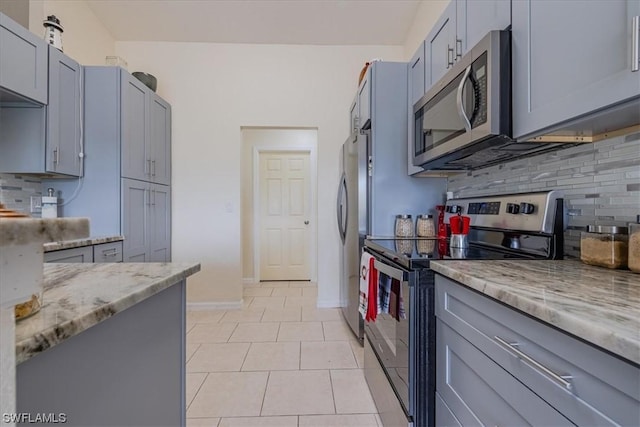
(110, 252)
(562, 380)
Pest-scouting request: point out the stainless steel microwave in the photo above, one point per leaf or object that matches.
(464, 120)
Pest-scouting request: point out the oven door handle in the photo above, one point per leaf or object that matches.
(392, 272)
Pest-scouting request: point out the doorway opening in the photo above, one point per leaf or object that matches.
(279, 204)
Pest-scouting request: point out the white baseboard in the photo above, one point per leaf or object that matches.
(328, 303)
(222, 305)
(248, 280)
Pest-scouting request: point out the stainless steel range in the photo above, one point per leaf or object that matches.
(400, 352)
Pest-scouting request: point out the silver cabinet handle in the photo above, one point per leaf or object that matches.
(306, 223)
(153, 168)
(561, 380)
(110, 252)
(458, 48)
(463, 114)
(449, 56)
(56, 156)
(635, 43)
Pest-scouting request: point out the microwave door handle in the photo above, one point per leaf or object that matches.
(463, 114)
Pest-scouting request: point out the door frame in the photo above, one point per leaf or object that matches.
(311, 149)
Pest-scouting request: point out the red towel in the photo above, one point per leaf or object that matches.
(372, 303)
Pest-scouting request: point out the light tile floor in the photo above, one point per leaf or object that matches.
(277, 362)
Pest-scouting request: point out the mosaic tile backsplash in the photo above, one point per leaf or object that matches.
(16, 191)
(600, 181)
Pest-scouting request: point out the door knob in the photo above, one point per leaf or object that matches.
(306, 223)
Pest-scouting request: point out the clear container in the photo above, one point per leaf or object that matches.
(404, 246)
(604, 246)
(117, 61)
(30, 307)
(634, 248)
(425, 226)
(425, 247)
(404, 226)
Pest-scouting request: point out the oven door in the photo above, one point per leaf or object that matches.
(389, 333)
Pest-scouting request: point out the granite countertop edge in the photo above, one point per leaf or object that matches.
(57, 332)
(601, 335)
(78, 243)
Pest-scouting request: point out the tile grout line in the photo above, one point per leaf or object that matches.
(333, 395)
(264, 396)
(196, 394)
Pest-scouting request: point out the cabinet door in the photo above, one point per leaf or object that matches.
(160, 140)
(84, 254)
(136, 200)
(479, 392)
(416, 77)
(569, 59)
(440, 46)
(136, 162)
(364, 98)
(474, 19)
(160, 223)
(63, 115)
(23, 62)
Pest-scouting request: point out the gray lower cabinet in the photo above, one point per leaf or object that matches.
(570, 59)
(497, 366)
(83, 254)
(107, 252)
(146, 221)
(23, 63)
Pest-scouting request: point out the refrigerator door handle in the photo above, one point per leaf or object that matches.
(342, 190)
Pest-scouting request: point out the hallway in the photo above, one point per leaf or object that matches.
(279, 362)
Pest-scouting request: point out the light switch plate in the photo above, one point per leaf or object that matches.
(36, 204)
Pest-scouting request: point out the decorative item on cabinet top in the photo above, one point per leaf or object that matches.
(149, 80)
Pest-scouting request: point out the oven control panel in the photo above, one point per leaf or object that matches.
(523, 211)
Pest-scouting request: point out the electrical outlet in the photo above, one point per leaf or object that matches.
(36, 204)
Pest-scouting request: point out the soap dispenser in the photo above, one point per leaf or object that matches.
(50, 204)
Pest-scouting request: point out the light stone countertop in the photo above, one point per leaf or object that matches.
(598, 305)
(77, 243)
(78, 296)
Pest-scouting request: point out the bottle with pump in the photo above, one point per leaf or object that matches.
(50, 204)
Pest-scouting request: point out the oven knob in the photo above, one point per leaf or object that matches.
(526, 208)
(513, 208)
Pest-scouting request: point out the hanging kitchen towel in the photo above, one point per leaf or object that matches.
(372, 303)
(396, 303)
(384, 293)
(366, 266)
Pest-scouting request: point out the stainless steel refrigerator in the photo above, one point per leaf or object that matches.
(374, 184)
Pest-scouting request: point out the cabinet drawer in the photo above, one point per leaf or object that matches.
(601, 390)
(84, 254)
(479, 392)
(108, 252)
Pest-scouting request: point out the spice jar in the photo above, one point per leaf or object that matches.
(604, 246)
(404, 226)
(425, 226)
(634, 247)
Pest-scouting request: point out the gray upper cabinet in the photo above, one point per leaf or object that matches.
(146, 133)
(440, 46)
(353, 116)
(46, 139)
(136, 160)
(570, 59)
(474, 19)
(160, 140)
(462, 24)
(364, 99)
(23, 63)
(64, 115)
(416, 77)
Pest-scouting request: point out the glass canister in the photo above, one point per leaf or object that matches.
(404, 226)
(604, 246)
(425, 226)
(634, 247)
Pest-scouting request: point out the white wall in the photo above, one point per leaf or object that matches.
(428, 13)
(215, 89)
(84, 39)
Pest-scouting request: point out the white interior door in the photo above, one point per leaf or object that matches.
(284, 215)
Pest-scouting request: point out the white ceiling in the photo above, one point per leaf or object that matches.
(318, 22)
